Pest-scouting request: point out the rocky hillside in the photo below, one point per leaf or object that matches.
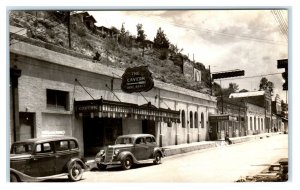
(52, 27)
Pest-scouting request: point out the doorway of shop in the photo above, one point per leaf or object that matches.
(99, 133)
(148, 127)
(26, 128)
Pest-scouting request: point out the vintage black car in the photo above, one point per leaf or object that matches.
(45, 158)
(130, 149)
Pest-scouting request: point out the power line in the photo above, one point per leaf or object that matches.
(284, 24)
(282, 28)
(281, 22)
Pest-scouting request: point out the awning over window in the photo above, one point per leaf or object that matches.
(111, 109)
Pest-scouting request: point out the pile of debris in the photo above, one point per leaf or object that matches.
(277, 172)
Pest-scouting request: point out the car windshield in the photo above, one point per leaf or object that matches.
(21, 148)
(124, 140)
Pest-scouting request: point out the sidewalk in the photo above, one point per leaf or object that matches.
(184, 148)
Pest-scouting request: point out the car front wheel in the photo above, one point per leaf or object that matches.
(75, 171)
(126, 163)
(157, 158)
(13, 177)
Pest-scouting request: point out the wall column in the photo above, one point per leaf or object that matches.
(15, 73)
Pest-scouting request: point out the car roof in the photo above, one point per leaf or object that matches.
(46, 139)
(137, 135)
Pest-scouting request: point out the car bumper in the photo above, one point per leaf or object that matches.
(112, 162)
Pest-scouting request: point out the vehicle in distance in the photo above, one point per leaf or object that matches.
(130, 149)
(46, 158)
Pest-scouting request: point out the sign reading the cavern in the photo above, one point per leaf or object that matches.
(137, 79)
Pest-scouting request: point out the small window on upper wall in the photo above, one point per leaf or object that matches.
(57, 99)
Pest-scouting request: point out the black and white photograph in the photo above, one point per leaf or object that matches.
(149, 95)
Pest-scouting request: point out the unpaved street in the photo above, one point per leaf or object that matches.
(221, 164)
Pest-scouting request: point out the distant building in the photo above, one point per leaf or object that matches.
(258, 110)
(87, 19)
(148, 44)
(277, 123)
(230, 119)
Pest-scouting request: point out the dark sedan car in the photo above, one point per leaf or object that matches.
(130, 149)
(45, 158)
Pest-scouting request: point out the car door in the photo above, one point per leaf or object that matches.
(150, 142)
(42, 162)
(65, 150)
(140, 149)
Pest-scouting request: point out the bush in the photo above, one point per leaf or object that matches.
(163, 54)
(50, 33)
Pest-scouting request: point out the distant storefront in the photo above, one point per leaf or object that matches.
(230, 120)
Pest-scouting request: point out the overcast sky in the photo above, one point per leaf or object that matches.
(250, 40)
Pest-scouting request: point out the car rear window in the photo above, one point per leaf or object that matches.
(61, 145)
(73, 144)
(43, 148)
(149, 140)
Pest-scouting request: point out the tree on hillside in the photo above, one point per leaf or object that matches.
(174, 49)
(141, 36)
(114, 30)
(216, 88)
(232, 88)
(160, 40)
(122, 31)
(266, 85)
(123, 35)
(225, 92)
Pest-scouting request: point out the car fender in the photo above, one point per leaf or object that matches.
(23, 177)
(123, 154)
(76, 160)
(157, 149)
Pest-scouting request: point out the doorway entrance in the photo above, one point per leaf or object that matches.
(148, 127)
(26, 130)
(99, 133)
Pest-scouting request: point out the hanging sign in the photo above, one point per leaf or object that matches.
(137, 79)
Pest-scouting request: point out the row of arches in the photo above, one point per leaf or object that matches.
(193, 121)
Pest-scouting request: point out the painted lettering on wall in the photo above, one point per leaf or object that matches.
(53, 133)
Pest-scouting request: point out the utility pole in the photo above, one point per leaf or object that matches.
(69, 29)
(226, 74)
(210, 81)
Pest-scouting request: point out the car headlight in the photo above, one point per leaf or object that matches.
(116, 151)
(100, 153)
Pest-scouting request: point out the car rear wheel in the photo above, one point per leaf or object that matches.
(127, 163)
(75, 171)
(101, 166)
(157, 158)
(13, 177)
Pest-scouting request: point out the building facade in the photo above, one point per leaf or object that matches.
(258, 110)
(230, 119)
(62, 94)
(256, 119)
